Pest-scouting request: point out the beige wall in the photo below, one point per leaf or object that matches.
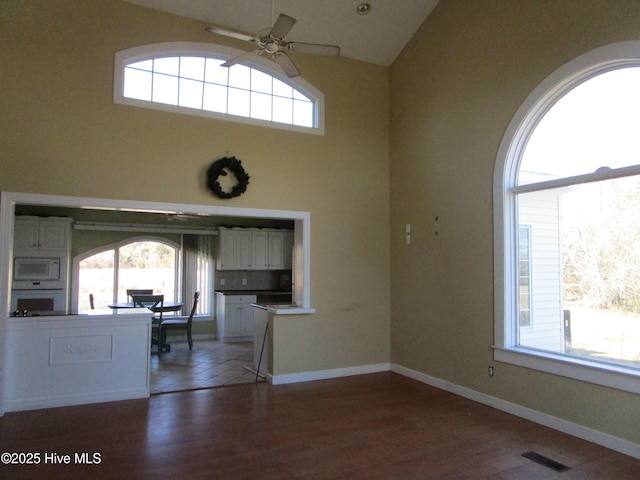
(62, 134)
(454, 90)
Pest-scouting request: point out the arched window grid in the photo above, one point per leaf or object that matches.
(294, 104)
(532, 120)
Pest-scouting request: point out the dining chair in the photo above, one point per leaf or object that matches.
(179, 323)
(155, 303)
(136, 291)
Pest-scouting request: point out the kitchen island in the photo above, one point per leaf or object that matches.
(76, 359)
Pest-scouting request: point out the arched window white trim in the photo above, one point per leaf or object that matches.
(506, 189)
(115, 247)
(303, 91)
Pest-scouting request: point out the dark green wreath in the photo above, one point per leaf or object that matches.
(218, 168)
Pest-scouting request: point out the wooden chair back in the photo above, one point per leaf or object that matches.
(137, 291)
(155, 303)
(196, 297)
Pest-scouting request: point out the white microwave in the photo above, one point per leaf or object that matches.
(36, 269)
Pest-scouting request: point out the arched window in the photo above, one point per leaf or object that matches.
(567, 239)
(139, 263)
(188, 78)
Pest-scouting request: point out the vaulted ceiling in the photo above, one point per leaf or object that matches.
(377, 37)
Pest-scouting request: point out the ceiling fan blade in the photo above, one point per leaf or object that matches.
(283, 25)
(230, 33)
(239, 59)
(314, 48)
(286, 64)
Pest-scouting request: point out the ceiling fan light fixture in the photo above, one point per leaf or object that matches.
(271, 47)
(363, 8)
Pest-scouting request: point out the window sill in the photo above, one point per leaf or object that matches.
(608, 375)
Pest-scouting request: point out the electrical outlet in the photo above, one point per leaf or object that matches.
(222, 281)
(244, 281)
(491, 371)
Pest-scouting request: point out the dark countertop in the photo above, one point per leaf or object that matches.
(44, 313)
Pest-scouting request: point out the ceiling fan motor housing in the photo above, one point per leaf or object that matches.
(272, 47)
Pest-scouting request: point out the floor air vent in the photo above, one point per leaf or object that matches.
(547, 462)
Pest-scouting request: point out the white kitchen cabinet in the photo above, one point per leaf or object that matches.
(234, 317)
(268, 249)
(254, 249)
(235, 249)
(35, 235)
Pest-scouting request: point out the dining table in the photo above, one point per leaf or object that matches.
(167, 307)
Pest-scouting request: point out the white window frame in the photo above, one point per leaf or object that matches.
(177, 49)
(536, 105)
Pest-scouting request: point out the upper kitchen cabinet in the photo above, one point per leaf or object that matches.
(234, 249)
(36, 235)
(254, 249)
(268, 249)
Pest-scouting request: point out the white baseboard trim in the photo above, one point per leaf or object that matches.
(326, 374)
(593, 436)
(204, 337)
(181, 337)
(82, 399)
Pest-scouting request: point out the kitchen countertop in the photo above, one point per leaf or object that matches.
(45, 313)
(284, 309)
(272, 306)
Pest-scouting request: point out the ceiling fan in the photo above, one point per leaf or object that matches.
(271, 42)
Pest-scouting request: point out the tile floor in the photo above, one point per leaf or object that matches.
(209, 364)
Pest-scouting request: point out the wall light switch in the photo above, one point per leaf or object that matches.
(407, 228)
(223, 281)
(408, 239)
(244, 281)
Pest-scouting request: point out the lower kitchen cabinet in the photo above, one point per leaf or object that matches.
(234, 316)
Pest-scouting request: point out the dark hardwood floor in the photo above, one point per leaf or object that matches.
(380, 426)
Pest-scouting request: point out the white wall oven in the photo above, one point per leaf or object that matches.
(38, 302)
(39, 286)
